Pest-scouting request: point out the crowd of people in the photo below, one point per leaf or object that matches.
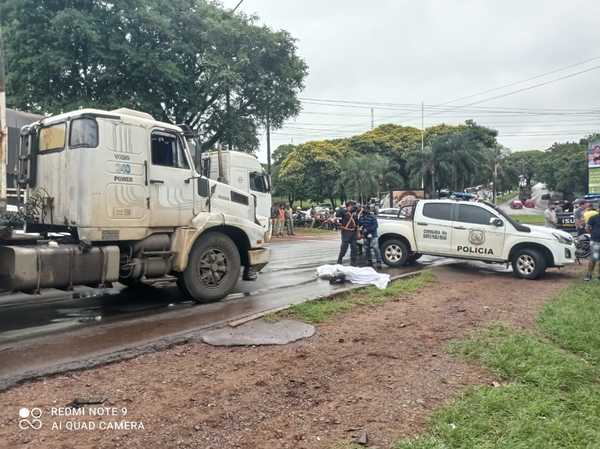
(587, 227)
(358, 225)
(282, 218)
(587, 221)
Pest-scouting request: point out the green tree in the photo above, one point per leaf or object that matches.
(454, 158)
(183, 61)
(522, 163)
(291, 185)
(364, 176)
(564, 168)
(315, 167)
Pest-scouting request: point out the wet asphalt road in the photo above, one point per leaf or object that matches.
(58, 331)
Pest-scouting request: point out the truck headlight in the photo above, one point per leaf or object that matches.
(562, 239)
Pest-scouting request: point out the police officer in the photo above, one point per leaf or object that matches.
(368, 221)
(349, 227)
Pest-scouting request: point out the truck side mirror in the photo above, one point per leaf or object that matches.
(203, 186)
(496, 222)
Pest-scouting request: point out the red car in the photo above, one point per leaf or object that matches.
(530, 204)
(516, 204)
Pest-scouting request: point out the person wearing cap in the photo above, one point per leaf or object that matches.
(349, 227)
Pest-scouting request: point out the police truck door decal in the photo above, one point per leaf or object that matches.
(477, 237)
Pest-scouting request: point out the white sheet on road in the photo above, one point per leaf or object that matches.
(356, 275)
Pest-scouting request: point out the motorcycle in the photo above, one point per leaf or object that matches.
(583, 248)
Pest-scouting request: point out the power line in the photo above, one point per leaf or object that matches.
(414, 107)
(521, 81)
(496, 97)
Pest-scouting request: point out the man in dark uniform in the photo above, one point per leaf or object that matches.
(368, 222)
(349, 227)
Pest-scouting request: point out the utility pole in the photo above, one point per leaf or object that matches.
(3, 130)
(422, 126)
(268, 124)
(423, 141)
(372, 118)
(494, 180)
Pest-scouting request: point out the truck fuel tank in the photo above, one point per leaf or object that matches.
(31, 267)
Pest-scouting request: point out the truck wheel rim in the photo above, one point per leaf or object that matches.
(213, 267)
(526, 264)
(393, 253)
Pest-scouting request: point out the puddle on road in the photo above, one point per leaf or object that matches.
(39, 315)
(31, 318)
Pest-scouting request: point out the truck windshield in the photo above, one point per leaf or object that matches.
(259, 182)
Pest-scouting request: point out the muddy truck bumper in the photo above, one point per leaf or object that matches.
(31, 267)
(259, 257)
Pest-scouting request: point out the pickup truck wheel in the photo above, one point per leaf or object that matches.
(528, 264)
(213, 268)
(394, 252)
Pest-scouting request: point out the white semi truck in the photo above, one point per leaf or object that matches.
(244, 172)
(119, 199)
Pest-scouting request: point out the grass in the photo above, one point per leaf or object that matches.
(551, 398)
(529, 219)
(321, 310)
(312, 231)
(518, 355)
(572, 321)
(506, 197)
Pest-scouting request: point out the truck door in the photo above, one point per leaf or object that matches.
(260, 188)
(433, 227)
(169, 172)
(474, 233)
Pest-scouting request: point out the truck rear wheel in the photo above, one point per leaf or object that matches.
(528, 263)
(213, 268)
(394, 252)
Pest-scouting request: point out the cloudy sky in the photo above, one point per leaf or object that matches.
(455, 56)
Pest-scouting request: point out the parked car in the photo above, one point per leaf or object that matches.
(530, 204)
(302, 218)
(516, 204)
(323, 208)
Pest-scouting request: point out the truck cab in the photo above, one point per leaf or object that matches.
(114, 196)
(472, 230)
(244, 172)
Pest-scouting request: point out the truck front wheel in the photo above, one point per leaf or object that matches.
(213, 268)
(394, 252)
(528, 263)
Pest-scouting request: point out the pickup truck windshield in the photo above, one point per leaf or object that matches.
(518, 226)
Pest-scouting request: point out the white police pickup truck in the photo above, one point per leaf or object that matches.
(472, 230)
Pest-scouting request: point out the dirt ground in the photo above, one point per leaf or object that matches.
(382, 369)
